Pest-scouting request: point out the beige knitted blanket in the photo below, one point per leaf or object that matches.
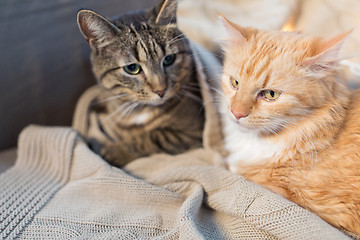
(60, 189)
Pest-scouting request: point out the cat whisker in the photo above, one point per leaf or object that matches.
(126, 113)
(207, 54)
(268, 131)
(168, 26)
(214, 101)
(218, 91)
(119, 109)
(193, 84)
(109, 99)
(177, 38)
(191, 95)
(178, 96)
(303, 138)
(199, 113)
(190, 88)
(130, 109)
(182, 35)
(216, 67)
(217, 99)
(271, 131)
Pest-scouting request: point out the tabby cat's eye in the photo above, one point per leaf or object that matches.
(133, 69)
(270, 95)
(234, 83)
(169, 60)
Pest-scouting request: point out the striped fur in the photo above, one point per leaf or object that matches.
(305, 144)
(159, 109)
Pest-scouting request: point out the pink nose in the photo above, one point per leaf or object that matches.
(161, 93)
(239, 115)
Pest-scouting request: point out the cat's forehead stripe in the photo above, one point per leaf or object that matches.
(141, 46)
(142, 52)
(147, 45)
(261, 66)
(257, 66)
(251, 61)
(266, 81)
(156, 49)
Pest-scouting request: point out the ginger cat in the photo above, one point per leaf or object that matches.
(289, 124)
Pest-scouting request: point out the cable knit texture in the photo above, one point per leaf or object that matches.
(41, 169)
(60, 189)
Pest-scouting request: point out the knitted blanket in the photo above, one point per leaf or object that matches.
(60, 189)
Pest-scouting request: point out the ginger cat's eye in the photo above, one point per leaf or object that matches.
(234, 83)
(270, 95)
(132, 69)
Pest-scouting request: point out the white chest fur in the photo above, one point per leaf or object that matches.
(141, 118)
(246, 148)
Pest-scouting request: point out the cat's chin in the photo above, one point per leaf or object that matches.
(246, 129)
(154, 103)
(241, 126)
(253, 130)
(157, 102)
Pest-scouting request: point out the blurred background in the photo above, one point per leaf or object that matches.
(44, 60)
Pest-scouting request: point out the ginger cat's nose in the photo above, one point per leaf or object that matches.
(239, 115)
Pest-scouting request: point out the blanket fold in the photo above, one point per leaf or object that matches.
(60, 189)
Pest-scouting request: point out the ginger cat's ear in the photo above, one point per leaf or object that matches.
(327, 54)
(235, 33)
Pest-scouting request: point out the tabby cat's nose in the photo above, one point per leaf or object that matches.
(161, 93)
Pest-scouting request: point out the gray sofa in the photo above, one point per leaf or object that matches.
(44, 63)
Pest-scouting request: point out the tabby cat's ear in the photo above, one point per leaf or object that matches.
(327, 54)
(95, 28)
(235, 33)
(166, 12)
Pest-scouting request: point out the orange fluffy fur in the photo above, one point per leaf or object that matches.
(311, 131)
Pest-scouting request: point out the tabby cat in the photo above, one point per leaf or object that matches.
(150, 100)
(289, 124)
